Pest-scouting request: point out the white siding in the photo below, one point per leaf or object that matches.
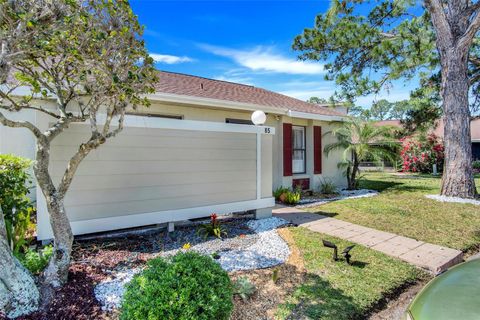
(145, 170)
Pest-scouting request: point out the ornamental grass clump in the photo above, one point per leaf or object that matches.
(186, 286)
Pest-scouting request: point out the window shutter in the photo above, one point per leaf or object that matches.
(317, 150)
(287, 149)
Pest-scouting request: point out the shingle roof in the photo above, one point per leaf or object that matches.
(189, 85)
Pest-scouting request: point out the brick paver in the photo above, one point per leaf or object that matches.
(428, 256)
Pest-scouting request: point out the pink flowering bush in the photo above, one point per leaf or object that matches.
(420, 154)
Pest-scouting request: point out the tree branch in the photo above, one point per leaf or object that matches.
(21, 124)
(439, 19)
(471, 31)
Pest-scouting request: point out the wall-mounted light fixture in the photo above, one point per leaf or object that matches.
(259, 117)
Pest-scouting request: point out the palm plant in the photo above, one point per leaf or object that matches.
(361, 141)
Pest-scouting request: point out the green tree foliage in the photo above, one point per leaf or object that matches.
(317, 100)
(361, 141)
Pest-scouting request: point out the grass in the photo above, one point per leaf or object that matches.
(335, 290)
(402, 208)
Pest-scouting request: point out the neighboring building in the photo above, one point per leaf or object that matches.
(191, 153)
(438, 131)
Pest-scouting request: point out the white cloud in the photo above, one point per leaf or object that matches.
(265, 59)
(169, 59)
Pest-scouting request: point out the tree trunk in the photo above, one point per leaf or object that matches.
(56, 273)
(18, 293)
(352, 181)
(457, 178)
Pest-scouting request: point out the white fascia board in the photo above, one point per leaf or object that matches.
(475, 140)
(313, 116)
(139, 121)
(225, 104)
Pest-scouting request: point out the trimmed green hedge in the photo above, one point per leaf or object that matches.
(187, 286)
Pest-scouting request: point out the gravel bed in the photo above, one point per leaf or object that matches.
(251, 244)
(452, 199)
(343, 194)
(110, 291)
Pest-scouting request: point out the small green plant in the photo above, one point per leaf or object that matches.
(277, 193)
(244, 288)
(186, 286)
(292, 197)
(327, 187)
(275, 275)
(213, 228)
(476, 164)
(35, 260)
(215, 255)
(14, 202)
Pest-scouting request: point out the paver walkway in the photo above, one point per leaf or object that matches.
(425, 255)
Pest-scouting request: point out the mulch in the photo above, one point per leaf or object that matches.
(91, 262)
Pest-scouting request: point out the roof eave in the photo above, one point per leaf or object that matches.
(314, 116)
(226, 104)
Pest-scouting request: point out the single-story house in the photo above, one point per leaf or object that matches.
(439, 128)
(193, 152)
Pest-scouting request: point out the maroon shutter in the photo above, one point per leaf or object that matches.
(317, 150)
(287, 149)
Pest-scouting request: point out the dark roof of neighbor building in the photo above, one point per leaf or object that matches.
(189, 85)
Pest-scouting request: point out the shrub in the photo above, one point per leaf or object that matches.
(327, 187)
(186, 286)
(244, 288)
(476, 164)
(15, 205)
(213, 228)
(292, 197)
(277, 193)
(35, 261)
(421, 153)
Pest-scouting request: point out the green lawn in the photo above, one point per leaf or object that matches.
(401, 208)
(335, 290)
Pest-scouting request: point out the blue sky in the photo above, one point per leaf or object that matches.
(241, 41)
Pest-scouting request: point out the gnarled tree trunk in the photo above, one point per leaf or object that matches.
(458, 173)
(18, 293)
(56, 273)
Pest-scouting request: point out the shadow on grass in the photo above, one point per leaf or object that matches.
(378, 185)
(317, 299)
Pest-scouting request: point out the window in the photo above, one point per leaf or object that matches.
(238, 121)
(299, 151)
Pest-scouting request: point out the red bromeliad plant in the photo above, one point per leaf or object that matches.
(420, 154)
(213, 228)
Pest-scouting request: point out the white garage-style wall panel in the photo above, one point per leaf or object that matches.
(163, 170)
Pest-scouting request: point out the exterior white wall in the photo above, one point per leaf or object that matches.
(19, 141)
(330, 170)
(149, 175)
